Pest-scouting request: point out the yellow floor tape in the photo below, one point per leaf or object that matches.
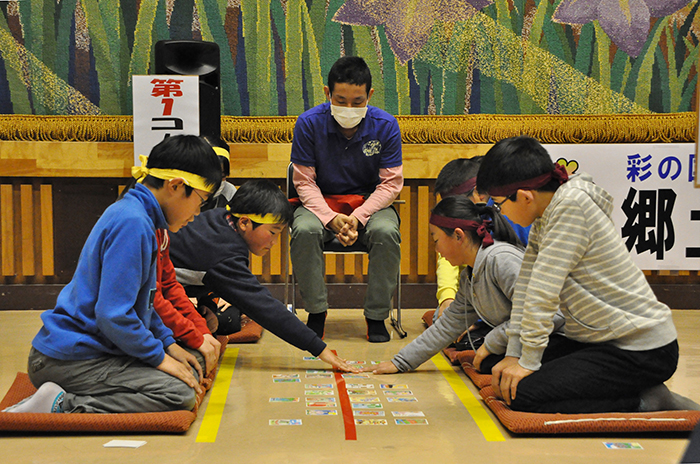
(217, 398)
(476, 410)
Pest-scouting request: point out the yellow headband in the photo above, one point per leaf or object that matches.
(260, 219)
(192, 180)
(222, 152)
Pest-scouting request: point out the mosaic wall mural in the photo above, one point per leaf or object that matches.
(444, 57)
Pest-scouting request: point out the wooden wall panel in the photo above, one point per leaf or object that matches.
(7, 229)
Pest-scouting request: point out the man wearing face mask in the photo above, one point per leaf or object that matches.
(348, 170)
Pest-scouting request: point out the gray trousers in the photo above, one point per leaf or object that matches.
(382, 237)
(112, 384)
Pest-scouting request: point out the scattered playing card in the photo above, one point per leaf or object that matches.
(389, 386)
(622, 445)
(310, 358)
(319, 376)
(368, 413)
(398, 393)
(370, 422)
(284, 400)
(320, 392)
(321, 404)
(362, 392)
(411, 421)
(319, 386)
(355, 376)
(407, 413)
(402, 399)
(358, 385)
(124, 444)
(321, 412)
(286, 380)
(318, 371)
(356, 362)
(285, 421)
(364, 399)
(285, 376)
(367, 406)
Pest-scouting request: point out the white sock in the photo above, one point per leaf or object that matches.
(48, 398)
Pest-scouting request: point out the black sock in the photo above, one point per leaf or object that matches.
(376, 331)
(317, 323)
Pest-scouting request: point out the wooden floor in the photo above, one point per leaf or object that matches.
(244, 433)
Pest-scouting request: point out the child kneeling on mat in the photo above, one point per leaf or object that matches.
(625, 340)
(213, 253)
(103, 348)
(478, 237)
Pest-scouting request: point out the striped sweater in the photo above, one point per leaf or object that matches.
(576, 261)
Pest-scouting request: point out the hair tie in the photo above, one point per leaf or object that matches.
(482, 228)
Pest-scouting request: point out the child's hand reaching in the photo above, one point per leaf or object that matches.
(338, 363)
(385, 367)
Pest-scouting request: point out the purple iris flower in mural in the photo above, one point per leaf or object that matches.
(625, 21)
(407, 22)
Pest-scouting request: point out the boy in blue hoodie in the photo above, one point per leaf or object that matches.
(103, 349)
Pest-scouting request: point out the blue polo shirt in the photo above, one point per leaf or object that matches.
(346, 166)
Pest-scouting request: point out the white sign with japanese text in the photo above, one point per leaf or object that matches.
(657, 208)
(164, 105)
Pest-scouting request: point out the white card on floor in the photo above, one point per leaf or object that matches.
(124, 444)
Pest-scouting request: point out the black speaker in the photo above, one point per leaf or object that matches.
(198, 58)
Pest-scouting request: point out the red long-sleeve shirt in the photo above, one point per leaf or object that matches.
(171, 302)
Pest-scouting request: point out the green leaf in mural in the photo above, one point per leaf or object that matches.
(407, 22)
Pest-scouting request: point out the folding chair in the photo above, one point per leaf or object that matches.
(335, 247)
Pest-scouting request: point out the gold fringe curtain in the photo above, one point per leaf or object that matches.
(642, 128)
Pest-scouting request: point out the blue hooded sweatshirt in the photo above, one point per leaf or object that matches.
(107, 308)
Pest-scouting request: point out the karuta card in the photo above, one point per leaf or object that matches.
(367, 406)
(284, 400)
(364, 399)
(356, 362)
(321, 412)
(358, 385)
(398, 393)
(285, 421)
(411, 421)
(310, 358)
(402, 399)
(320, 392)
(393, 386)
(361, 392)
(324, 399)
(319, 376)
(369, 413)
(621, 445)
(374, 363)
(318, 386)
(285, 380)
(370, 422)
(285, 376)
(407, 413)
(355, 376)
(318, 371)
(321, 404)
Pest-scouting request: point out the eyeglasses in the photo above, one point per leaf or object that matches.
(498, 205)
(204, 202)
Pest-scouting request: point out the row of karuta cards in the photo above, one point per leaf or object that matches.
(364, 400)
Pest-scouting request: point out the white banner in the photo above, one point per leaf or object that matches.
(164, 105)
(657, 208)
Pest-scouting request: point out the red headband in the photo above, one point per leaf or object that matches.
(466, 186)
(559, 173)
(481, 228)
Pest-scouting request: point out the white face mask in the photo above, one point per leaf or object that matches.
(348, 117)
